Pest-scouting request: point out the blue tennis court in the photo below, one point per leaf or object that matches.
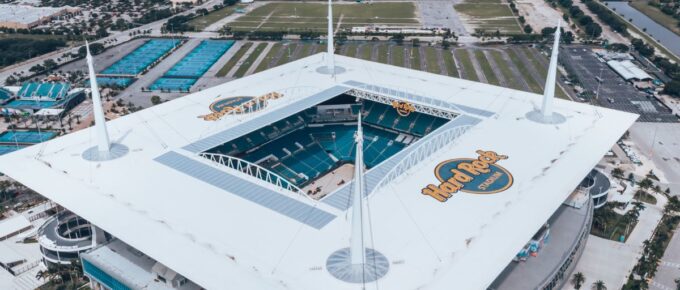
(4, 149)
(26, 137)
(187, 71)
(112, 82)
(29, 104)
(200, 59)
(173, 84)
(142, 57)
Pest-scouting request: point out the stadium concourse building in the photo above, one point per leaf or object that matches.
(250, 184)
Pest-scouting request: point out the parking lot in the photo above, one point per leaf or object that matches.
(613, 92)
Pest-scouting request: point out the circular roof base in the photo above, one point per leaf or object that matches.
(339, 265)
(327, 71)
(116, 151)
(537, 116)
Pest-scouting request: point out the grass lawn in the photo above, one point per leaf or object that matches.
(490, 15)
(351, 50)
(397, 55)
(382, 53)
(234, 59)
(201, 22)
(486, 68)
(241, 71)
(645, 197)
(287, 54)
(464, 57)
(510, 78)
(614, 228)
(450, 63)
(365, 51)
(273, 52)
(533, 85)
(432, 60)
(415, 58)
(543, 70)
(655, 14)
(312, 16)
(306, 50)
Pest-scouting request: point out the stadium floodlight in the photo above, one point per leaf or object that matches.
(103, 144)
(549, 91)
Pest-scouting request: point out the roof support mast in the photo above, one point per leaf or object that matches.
(330, 60)
(357, 247)
(545, 114)
(549, 91)
(103, 144)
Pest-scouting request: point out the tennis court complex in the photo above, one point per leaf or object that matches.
(26, 137)
(108, 82)
(190, 68)
(142, 57)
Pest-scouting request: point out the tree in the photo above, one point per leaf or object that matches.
(672, 88)
(528, 29)
(577, 280)
(617, 172)
(593, 30)
(599, 285)
(155, 100)
(568, 37)
(677, 281)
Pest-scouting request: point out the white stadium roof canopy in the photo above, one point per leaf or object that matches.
(160, 199)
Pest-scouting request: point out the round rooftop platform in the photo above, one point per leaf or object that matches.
(339, 264)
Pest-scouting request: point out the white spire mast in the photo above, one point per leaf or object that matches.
(357, 247)
(549, 91)
(103, 144)
(330, 59)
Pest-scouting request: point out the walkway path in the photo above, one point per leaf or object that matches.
(611, 261)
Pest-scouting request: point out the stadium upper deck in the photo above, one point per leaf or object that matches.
(219, 227)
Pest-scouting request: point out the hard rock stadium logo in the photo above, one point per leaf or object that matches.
(479, 175)
(403, 108)
(238, 105)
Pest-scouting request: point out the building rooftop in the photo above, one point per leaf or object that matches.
(188, 216)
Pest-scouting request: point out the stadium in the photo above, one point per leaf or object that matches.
(327, 172)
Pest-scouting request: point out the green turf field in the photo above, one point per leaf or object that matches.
(273, 52)
(234, 59)
(463, 56)
(510, 78)
(201, 22)
(351, 50)
(312, 16)
(288, 51)
(486, 68)
(489, 15)
(365, 52)
(450, 63)
(526, 75)
(432, 60)
(397, 55)
(415, 58)
(382, 53)
(241, 71)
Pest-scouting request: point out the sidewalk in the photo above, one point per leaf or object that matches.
(612, 261)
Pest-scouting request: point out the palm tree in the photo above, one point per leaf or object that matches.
(599, 285)
(578, 280)
(677, 284)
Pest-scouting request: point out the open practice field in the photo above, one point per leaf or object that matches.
(488, 15)
(312, 16)
(201, 22)
(516, 67)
